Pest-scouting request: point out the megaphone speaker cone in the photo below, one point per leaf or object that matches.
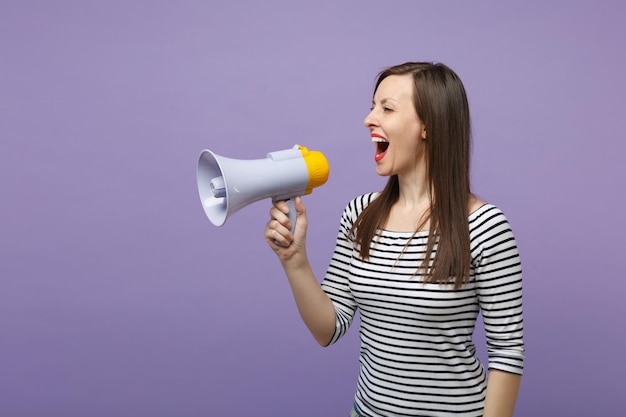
(212, 188)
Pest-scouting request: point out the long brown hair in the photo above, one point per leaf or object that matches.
(441, 104)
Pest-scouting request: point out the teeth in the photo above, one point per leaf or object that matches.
(377, 139)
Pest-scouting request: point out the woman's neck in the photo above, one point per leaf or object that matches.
(414, 189)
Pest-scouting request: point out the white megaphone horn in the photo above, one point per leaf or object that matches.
(226, 185)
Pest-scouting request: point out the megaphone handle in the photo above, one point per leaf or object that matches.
(293, 214)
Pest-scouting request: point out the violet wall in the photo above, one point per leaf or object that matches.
(119, 298)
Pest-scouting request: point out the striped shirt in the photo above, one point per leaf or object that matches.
(417, 357)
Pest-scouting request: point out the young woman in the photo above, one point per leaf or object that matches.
(419, 260)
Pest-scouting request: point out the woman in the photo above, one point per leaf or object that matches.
(419, 260)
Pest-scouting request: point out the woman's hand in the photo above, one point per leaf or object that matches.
(277, 231)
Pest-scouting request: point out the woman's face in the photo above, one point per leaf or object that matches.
(395, 128)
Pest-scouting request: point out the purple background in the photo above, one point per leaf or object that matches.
(119, 298)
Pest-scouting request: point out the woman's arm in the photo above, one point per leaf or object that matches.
(498, 271)
(502, 389)
(315, 307)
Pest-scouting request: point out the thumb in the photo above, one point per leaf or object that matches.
(300, 208)
(302, 222)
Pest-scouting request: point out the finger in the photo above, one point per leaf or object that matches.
(282, 228)
(281, 205)
(274, 227)
(280, 217)
(275, 238)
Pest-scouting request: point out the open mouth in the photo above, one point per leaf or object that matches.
(381, 147)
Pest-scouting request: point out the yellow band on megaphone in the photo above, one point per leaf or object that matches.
(317, 166)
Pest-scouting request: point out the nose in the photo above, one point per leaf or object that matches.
(370, 120)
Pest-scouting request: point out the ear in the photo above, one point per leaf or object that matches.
(423, 134)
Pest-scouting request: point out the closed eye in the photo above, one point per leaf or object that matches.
(385, 108)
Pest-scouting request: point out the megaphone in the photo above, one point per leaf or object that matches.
(226, 185)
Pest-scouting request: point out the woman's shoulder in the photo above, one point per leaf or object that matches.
(364, 199)
(475, 203)
(358, 203)
(356, 206)
(487, 217)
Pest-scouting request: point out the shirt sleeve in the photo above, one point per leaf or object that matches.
(336, 282)
(498, 273)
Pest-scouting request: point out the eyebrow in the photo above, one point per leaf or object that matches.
(384, 100)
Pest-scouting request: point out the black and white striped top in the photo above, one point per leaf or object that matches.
(417, 357)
